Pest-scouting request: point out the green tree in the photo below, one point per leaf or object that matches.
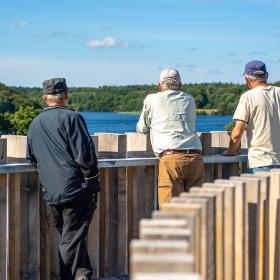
(22, 118)
(6, 126)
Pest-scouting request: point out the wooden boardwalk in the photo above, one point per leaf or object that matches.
(128, 178)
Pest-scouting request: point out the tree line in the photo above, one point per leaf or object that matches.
(19, 105)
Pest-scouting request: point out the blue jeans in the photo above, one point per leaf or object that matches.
(263, 168)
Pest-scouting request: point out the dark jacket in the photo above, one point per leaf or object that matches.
(59, 142)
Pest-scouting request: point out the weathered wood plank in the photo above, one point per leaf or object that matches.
(274, 224)
(252, 216)
(193, 208)
(193, 221)
(204, 233)
(264, 191)
(13, 215)
(159, 246)
(3, 151)
(166, 276)
(209, 229)
(3, 224)
(163, 263)
(122, 250)
(239, 226)
(228, 222)
(219, 224)
(109, 228)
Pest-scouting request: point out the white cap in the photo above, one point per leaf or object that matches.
(169, 74)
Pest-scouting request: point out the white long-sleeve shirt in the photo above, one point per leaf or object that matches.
(170, 117)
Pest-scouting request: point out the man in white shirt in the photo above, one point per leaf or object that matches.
(170, 116)
(258, 112)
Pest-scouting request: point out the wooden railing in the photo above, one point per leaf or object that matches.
(28, 240)
(226, 230)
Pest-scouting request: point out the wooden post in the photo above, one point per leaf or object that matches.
(151, 246)
(207, 230)
(193, 221)
(163, 263)
(274, 222)
(141, 183)
(228, 216)
(228, 227)
(220, 142)
(95, 141)
(204, 231)
(166, 276)
(13, 228)
(139, 145)
(205, 138)
(3, 224)
(238, 225)
(219, 224)
(261, 268)
(113, 212)
(34, 228)
(3, 151)
(252, 216)
(194, 208)
(16, 148)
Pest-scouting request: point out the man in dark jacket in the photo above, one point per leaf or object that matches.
(60, 145)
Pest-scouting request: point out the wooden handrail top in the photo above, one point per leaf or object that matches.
(124, 162)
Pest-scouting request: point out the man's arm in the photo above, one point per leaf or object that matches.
(143, 125)
(83, 151)
(29, 153)
(235, 139)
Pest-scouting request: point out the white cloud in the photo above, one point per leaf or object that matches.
(258, 53)
(107, 42)
(215, 72)
(18, 24)
(35, 34)
(276, 60)
(61, 34)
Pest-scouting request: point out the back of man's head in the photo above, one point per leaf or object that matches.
(255, 71)
(169, 79)
(55, 90)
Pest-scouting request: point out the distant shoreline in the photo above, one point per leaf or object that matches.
(200, 112)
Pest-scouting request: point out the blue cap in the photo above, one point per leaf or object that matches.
(255, 68)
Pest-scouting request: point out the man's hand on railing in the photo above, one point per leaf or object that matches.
(228, 153)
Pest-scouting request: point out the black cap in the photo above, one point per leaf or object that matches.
(54, 86)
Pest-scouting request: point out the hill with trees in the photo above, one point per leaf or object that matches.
(18, 105)
(16, 110)
(221, 97)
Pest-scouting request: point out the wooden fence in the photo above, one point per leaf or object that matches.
(128, 179)
(226, 230)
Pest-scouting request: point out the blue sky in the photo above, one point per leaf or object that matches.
(120, 42)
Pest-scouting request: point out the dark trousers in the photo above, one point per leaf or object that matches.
(72, 219)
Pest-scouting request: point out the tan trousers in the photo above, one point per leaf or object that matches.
(177, 173)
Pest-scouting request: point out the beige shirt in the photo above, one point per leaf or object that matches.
(170, 117)
(260, 108)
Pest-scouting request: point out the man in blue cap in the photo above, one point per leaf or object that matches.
(258, 112)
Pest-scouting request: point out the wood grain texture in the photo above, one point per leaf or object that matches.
(252, 216)
(219, 224)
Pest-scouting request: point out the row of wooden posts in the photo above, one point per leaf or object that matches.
(28, 240)
(226, 230)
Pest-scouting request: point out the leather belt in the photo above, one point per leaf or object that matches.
(171, 152)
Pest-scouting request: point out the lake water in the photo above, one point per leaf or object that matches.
(121, 123)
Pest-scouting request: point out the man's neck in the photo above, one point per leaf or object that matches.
(57, 105)
(262, 84)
